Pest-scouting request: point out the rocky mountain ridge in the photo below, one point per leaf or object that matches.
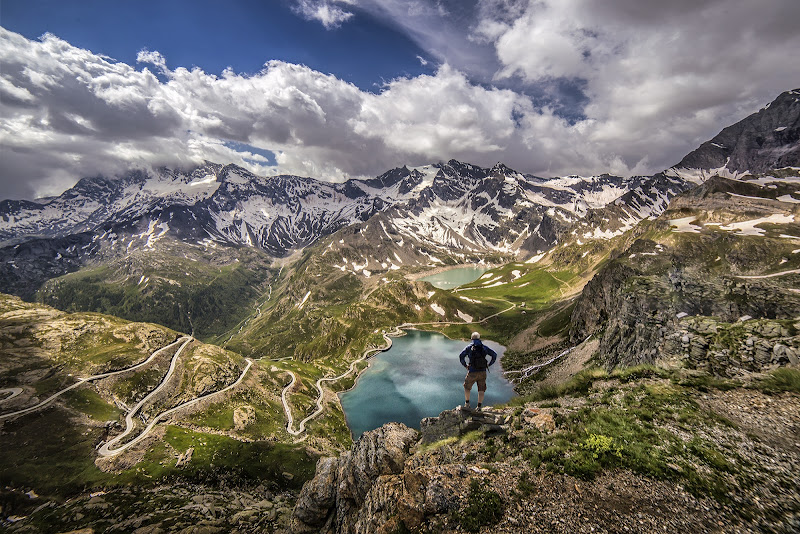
(766, 140)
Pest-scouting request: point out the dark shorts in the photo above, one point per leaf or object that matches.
(473, 377)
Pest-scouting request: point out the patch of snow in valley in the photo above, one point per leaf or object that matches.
(464, 316)
(303, 302)
(478, 301)
(516, 274)
(684, 225)
(768, 180)
(750, 198)
(788, 198)
(536, 258)
(438, 309)
(428, 172)
(207, 180)
(749, 227)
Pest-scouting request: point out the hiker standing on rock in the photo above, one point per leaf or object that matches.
(477, 352)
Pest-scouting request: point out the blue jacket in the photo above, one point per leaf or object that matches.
(466, 352)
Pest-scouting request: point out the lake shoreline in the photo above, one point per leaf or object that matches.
(444, 268)
(450, 362)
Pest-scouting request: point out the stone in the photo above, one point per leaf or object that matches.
(544, 422)
(185, 458)
(344, 486)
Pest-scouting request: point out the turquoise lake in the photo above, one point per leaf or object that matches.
(420, 376)
(455, 277)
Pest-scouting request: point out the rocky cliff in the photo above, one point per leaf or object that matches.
(701, 284)
(761, 142)
(354, 492)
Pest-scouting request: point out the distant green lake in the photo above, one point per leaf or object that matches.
(455, 277)
(420, 376)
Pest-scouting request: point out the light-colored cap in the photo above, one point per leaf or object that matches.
(476, 335)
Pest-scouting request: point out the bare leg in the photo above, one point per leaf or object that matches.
(480, 397)
(466, 395)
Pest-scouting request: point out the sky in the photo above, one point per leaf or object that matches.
(338, 89)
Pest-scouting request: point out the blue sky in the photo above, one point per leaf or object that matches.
(336, 89)
(214, 35)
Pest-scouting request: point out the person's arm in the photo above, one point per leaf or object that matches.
(493, 354)
(463, 356)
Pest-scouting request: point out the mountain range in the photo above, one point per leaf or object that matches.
(453, 206)
(650, 325)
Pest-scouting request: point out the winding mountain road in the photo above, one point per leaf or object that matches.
(773, 275)
(106, 448)
(81, 381)
(301, 427)
(13, 392)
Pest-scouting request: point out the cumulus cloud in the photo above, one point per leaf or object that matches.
(657, 80)
(328, 12)
(660, 77)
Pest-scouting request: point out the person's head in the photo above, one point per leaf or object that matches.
(476, 335)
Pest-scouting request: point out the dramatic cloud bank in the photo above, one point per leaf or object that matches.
(654, 81)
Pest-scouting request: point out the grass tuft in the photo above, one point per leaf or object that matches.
(781, 380)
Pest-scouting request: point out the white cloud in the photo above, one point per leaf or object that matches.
(659, 79)
(328, 12)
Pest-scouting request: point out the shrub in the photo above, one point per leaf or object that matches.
(638, 372)
(524, 484)
(484, 507)
(602, 447)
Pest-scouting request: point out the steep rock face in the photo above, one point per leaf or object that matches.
(345, 495)
(768, 139)
(642, 317)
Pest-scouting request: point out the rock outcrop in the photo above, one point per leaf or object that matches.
(456, 423)
(352, 493)
(763, 141)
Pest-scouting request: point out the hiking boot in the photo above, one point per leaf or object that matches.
(466, 407)
(479, 407)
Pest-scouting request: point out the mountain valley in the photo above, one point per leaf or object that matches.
(651, 324)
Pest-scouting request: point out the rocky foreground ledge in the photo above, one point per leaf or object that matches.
(503, 471)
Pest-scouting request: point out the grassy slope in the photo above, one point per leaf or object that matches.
(181, 286)
(53, 450)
